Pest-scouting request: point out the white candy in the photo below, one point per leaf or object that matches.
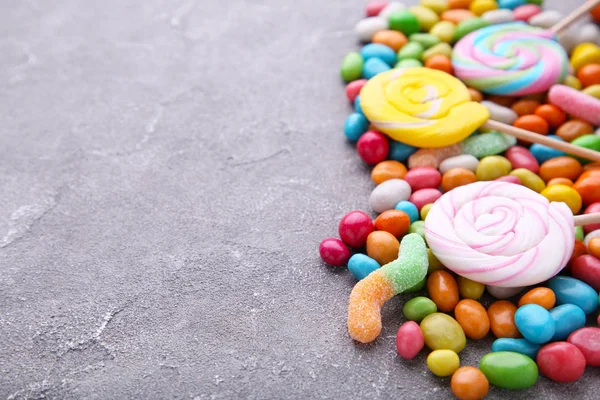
(546, 19)
(588, 33)
(466, 161)
(500, 113)
(597, 132)
(568, 38)
(590, 236)
(389, 193)
(503, 292)
(391, 8)
(500, 16)
(366, 28)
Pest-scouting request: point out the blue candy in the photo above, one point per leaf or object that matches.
(400, 151)
(573, 291)
(381, 51)
(510, 4)
(374, 66)
(356, 124)
(357, 107)
(535, 323)
(361, 265)
(522, 346)
(410, 209)
(544, 153)
(567, 319)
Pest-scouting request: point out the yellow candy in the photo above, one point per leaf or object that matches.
(434, 263)
(529, 179)
(584, 54)
(492, 167)
(565, 194)
(421, 107)
(440, 48)
(425, 210)
(443, 362)
(443, 30)
(469, 289)
(593, 90)
(437, 6)
(572, 81)
(426, 17)
(478, 7)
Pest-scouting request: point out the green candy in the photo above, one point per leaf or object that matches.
(590, 141)
(404, 21)
(467, 26)
(409, 63)
(417, 227)
(487, 144)
(538, 2)
(418, 308)
(418, 287)
(425, 39)
(352, 66)
(579, 235)
(411, 50)
(411, 266)
(509, 370)
(441, 331)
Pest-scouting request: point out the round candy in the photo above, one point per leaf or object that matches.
(418, 308)
(372, 147)
(510, 59)
(383, 247)
(469, 383)
(500, 234)
(395, 222)
(421, 107)
(541, 296)
(354, 228)
(443, 362)
(586, 267)
(334, 252)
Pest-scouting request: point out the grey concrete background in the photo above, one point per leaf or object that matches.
(167, 170)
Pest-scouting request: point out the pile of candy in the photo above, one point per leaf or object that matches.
(463, 206)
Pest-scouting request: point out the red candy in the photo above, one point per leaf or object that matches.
(409, 340)
(592, 208)
(520, 157)
(423, 178)
(561, 362)
(373, 147)
(424, 196)
(587, 268)
(588, 341)
(373, 8)
(353, 89)
(354, 228)
(334, 252)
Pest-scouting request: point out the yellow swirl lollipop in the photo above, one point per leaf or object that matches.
(421, 107)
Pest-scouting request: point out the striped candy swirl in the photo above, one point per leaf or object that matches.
(500, 234)
(512, 59)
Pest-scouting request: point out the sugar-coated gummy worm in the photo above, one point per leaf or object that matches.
(371, 293)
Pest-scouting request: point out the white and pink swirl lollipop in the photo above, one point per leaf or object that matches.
(501, 234)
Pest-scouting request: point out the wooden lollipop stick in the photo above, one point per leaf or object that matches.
(586, 219)
(541, 139)
(575, 15)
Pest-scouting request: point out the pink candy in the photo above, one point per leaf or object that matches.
(334, 252)
(509, 179)
(423, 178)
(353, 89)
(520, 157)
(409, 340)
(576, 103)
(373, 8)
(523, 13)
(424, 196)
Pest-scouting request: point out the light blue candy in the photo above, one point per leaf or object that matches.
(361, 265)
(573, 291)
(510, 4)
(567, 319)
(535, 323)
(400, 151)
(356, 124)
(522, 346)
(381, 51)
(410, 209)
(357, 107)
(374, 66)
(544, 153)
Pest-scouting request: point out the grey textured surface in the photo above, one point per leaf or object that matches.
(167, 170)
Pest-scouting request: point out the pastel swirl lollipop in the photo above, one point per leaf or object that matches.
(512, 59)
(421, 107)
(500, 234)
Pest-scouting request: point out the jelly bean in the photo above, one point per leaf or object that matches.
(509, 370)
(469, 289)
(425, 210)
(510, 4)
(541, 296)
(386, 170)
(586, 267)
(433, 157)
(520, 157)
(590, 236)
(567, 319)
(356, 124)
(529, 179)
(427, 18)
(456, 16)
(392, 39)
(469, 383)
(487, 144)
(423, 177)
(593, 91)
(573, 291)
(563, 193)
(465, 161)
(434, 263)
(372, 147)
(479, 7)
(409, 340)
(437, 6)
(500, 113)
(595, 13)
(560, 181)
(475, 94)
(443, 290)
(357, 107)
(498, 16)
(572, 81)
(393, 221)
(443, 30)
(493, 167)
(367, 27)
(546, 18)
(417, 227)
(391, 8)
(424, 196)
(443, 362)
(501, 314)
(589, 75)
(525, 107)
(468, 25)
(389, 193)
(441, 331)
(473, 318)
(532, 123)
(334, 252)
(561, 167)
(584, 54)
(409, 63)
(440, 62)
(352, 66)
(459, 4)
(361, 265)
(410, 209)
(587, 186)
(353, 89)
(588, 341)
(573, 129)
(579, 234)
(426, 40)
(553, 115)
(521, 346)
(544, 153)
(418, 308)
(374, 66)
(404, 21)
(373, 8)
(590, 141)
(525, 12)
(561, 362)
(400, 151)
(503, 292)
(594, 246)
(381, 51)
(579, 249)
(534, 323)
(354, 228)
(457, 177)
(383, 247)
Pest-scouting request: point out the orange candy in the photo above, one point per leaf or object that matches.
(560, 167)
(559, 181)
(386, 170)
(594, 247)
(533, 123)
(552, 114)
(475, 94)
(395, 222)
(588, 186)
(456, 177)
(596, 13)
(502, 319)
(456, 15)
(541, 296)
(473, 318)
(390, 38)
(460, 4)
(574, 128)
(589, 75)
(440, 62)
(525, 107)
(469, 383)
(443, 290)
(382, 246)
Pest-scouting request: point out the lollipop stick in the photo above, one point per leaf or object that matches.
(586, 219)
(544, 140)
(575, 15)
